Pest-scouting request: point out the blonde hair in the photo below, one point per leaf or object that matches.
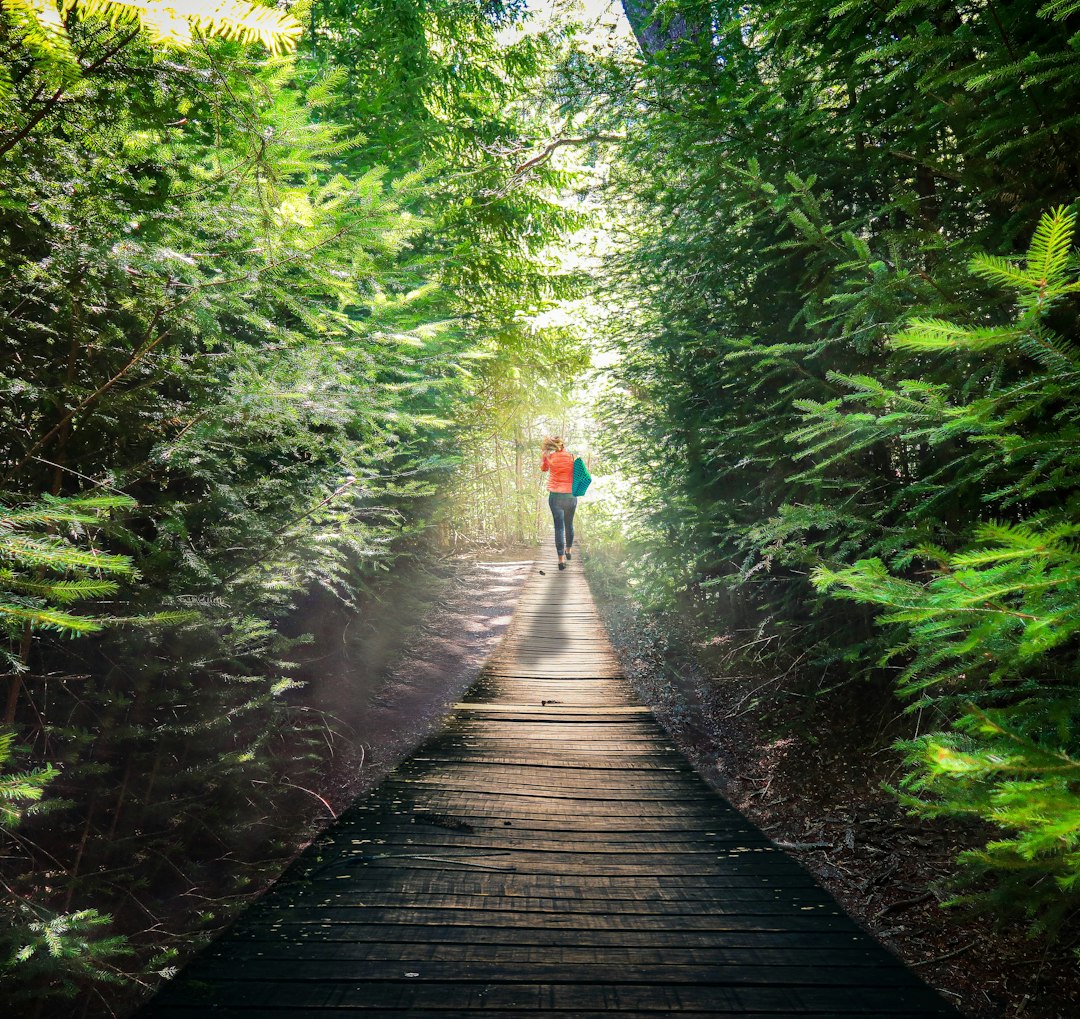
(552, 443)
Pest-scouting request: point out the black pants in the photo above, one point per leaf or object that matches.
(563, 505)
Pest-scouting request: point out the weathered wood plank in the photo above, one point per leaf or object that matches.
(612, 890)
(457, 972)
(408, 935)
(355, 951)
(411, 993)
(307, 1012)
(784, 921)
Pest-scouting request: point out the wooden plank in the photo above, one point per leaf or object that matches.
(567, 801)
(335, 870)
(307, 1012)
(560, 711)
(463, 842)
(386, 816)
(377, 996)
(432, 835)
(560, 955)
(497, 935)
(514, 809)
(453, 894)
(518, 782)
(567, 915)
(550, 871)
(563, 763)
(540, 776)
(625, 922)
(457, 972)
(600, 889)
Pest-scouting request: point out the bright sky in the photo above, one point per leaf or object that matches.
(600, 17)
(599, 12)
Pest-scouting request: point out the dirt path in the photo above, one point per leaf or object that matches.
(451, 643)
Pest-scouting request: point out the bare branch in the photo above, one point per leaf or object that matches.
(545, 153)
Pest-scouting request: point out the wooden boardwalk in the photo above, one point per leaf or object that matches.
(548, 851)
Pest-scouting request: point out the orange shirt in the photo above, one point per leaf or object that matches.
(561, 465)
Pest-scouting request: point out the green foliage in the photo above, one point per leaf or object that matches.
(19, 791)
(45, 27)
(818, 373)
(1016, 768)
(436, 84)
(270, 301)
(993, 634)
(59, 956)
(42, 566)
(47, 954)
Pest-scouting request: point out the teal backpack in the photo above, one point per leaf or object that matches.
(582, 477)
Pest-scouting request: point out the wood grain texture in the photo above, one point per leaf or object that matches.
(546, 852)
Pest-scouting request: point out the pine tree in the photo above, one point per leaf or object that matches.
(791, 194)
(991, 638)
(260, 297)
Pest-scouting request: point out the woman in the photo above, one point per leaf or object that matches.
(559, 467)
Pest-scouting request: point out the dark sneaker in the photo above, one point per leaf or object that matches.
(562, 566)
(568, 555)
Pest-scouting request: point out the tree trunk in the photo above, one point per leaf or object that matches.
(654, 34)
(519, 483)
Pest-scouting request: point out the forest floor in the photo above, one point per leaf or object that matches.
(395, 697)
(808, 770)
(381, 679)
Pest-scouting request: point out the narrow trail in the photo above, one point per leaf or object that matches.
(548, 851)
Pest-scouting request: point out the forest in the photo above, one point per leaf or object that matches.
(290, 293)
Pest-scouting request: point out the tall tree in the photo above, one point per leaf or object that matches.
(251, 307)
(657, 27)
(793, 191)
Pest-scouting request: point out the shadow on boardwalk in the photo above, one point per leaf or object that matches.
(547, 852)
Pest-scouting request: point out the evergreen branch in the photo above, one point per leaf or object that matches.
(53, 101)
(50, 618)
(150, 342)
